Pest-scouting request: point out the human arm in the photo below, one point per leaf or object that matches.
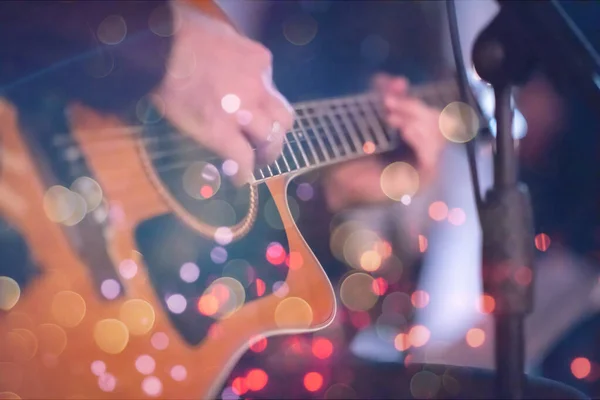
(185, 59)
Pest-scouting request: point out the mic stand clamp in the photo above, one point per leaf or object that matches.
(506, 214)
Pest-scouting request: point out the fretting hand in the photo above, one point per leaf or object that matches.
(357, 182)
(218, 89)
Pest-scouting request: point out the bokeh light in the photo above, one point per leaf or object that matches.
(230, 103)
(542, 242)
(256, 379)
(313, 381)
(293, 312)
(138, 315)
(419, 335)
(322, 348)
(189, 272)
(399, 179)
(458, 122)
(438, 211)
(419, 299)
(201, 180)
(111, 335)
(356, 292)
(300, 29)
(10, 292)
(475, 337)
(68, 308)
(581, 367)
(457, 216)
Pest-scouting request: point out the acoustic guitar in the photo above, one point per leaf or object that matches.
(103, 311)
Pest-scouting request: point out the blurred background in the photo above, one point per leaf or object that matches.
(407, 273)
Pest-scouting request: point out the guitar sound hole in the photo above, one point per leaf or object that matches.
(195, 178)
(183, 267)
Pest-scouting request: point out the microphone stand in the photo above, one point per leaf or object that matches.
(505, 213)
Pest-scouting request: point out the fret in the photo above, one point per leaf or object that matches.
(322, 135)
(340, 148)
(374, 126)
(338, 128)
(300, 147)
(291, 151)
(278, 169)
(306, 144)
(282, 157)
(337, 131)
(345, 135)
(359, 122)
(269, 169)
(390, 133)
(349, 128)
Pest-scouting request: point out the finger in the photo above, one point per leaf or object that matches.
(406, 106)
(258, 128)
(380, 81)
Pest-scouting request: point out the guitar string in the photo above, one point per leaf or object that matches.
(64, 140)
(306, 136)
(143, 200)
(178, 137)
(315, 164)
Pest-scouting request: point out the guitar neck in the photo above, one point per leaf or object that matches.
(329, 131)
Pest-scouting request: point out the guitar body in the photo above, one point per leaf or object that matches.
(111, 310)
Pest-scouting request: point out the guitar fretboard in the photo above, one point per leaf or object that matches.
(333, 130)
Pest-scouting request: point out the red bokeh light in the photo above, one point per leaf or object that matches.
(487, 304)
(379, 286)
(313, 381)
(542, 242)
(258, 344)
(581, 367)
(322, 348)
(360, 319)
(256, 379)
(261, 287)
(239, 386)
(206, 191)
(276, 254)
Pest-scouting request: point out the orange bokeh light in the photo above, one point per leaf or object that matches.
(208, 304)
(401, 342)
(419, 299)
(438, 211)
(369, 147)
(475, 337)
(418, 335)
(422, 243)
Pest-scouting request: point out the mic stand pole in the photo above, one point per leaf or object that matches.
(506, 213)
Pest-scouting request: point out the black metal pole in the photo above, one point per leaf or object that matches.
(505, 214)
